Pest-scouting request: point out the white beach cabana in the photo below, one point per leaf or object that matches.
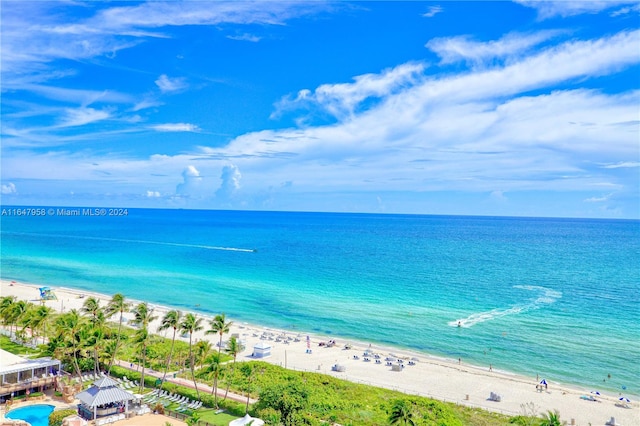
(261, 350)
(103, 398)
(247, 420)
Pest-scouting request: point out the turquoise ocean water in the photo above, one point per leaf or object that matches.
(555, 297)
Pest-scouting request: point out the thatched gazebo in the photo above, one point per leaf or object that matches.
(103, 398)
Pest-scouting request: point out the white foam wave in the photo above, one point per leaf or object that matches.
(545, 296)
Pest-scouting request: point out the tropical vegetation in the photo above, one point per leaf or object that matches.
(86, 341)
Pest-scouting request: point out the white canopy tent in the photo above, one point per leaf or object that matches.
(247, 420)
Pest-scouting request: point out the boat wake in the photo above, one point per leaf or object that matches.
(546, 296)
(162, 243)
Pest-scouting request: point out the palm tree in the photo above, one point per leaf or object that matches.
(190, 325)
(552, 418)
(69, 328)
(26, 319)
(38, 319)
(15, 312)
(170, 320)
(233, 348)
(203, 347)
(96, 339)
(5, 308)
(143, 316)
(91, 306)
(401, 414)
(117, 304)
(214, 369)
(219, 325)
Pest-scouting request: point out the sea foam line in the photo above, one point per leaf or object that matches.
(545, 296)
(121, 240)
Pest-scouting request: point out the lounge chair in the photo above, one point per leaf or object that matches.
(495, 397)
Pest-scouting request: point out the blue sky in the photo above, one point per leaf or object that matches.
(477, 108)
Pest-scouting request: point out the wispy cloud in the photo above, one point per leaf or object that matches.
(176, 127)
(622, 165)
(167, 85)
(602, 199)
(37, 34)
(433, 11)
(463, 48)
(245, 37)
(634, 8)
(82, 116)
(552, 8)
(341, 100)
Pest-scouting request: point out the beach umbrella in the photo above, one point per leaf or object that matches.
(595, 392)
(543, 382)
(624, 399)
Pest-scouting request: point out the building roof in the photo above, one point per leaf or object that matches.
(10, 363)
(105, 382)
(104, 391)
(262, 346)
(7, 358)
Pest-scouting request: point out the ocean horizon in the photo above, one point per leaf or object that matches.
(557, 298)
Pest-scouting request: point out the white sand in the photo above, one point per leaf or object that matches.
(433, 377)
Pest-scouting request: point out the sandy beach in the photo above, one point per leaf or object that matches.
(446, 380)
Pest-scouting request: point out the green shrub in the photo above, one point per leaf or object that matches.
(55, 418)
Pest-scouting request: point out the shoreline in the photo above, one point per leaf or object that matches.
(432, 376)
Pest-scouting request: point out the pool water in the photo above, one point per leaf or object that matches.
(37, 415)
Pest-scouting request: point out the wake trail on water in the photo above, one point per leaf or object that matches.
(546, 296)
(121, 240)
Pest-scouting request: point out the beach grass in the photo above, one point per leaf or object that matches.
(328, 399)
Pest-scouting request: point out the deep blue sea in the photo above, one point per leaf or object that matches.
(555, 297)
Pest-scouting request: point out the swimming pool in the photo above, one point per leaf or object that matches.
(37, 415)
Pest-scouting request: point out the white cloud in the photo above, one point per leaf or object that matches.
(463, 48)
(153, 194)
(341, 100)
(176, 127)
(245, 37)
(168, 85)
(82, 116)
(192, 184)
(622, 164)
(433, 11)
(35, 34)
(473, 130)
(635, 8)
(9, 188)
(552, 8)
(230, 182)
(602, 199)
